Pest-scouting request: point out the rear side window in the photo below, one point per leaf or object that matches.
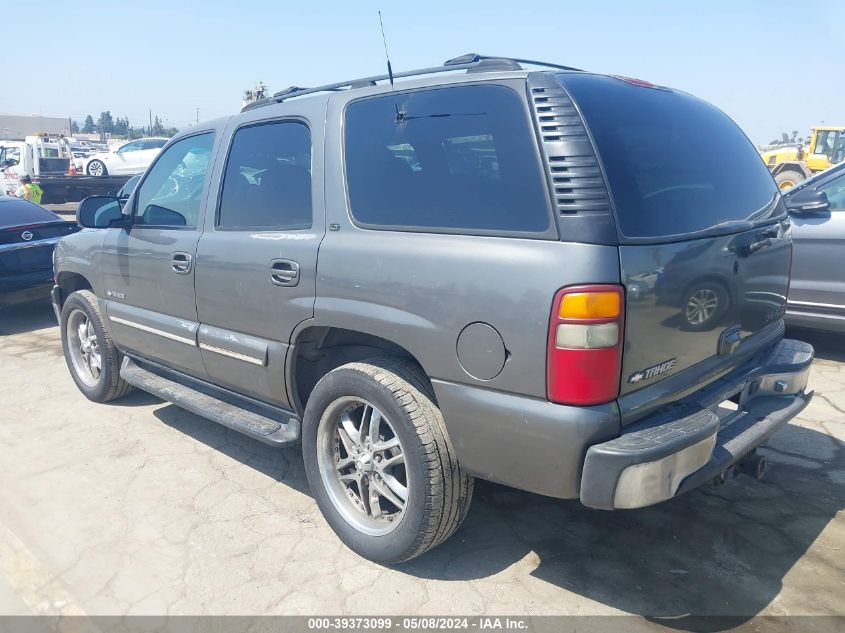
(267, 183)
(15, 212)
(675, 164)
(460, 159)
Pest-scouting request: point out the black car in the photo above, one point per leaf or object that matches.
(28, 234)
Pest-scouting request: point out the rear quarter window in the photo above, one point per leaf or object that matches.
(461, 159)
(675, 164)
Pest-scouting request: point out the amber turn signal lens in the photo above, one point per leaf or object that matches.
(590, 305)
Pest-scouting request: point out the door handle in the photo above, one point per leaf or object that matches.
(284, 272)
(181, 262)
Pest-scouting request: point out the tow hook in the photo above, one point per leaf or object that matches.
(724, 476)
(753, 465)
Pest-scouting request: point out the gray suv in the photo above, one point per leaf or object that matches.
(427, 282)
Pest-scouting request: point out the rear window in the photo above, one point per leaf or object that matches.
(675, 164)
(17, 212)
(463, 159)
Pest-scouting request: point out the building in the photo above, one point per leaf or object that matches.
(16, 127)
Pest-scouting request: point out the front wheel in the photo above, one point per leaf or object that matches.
(379, 462)
(97, 168)
(91, 356)
(788, 179)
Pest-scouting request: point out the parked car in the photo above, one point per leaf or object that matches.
(817, 289)
(130, 158)
(467, 316)
(28, 234)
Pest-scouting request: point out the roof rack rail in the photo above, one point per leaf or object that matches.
(471, 58)
(471, 62)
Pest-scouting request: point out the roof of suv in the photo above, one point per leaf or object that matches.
(472, 63)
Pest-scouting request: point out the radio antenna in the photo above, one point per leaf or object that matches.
(400, 114)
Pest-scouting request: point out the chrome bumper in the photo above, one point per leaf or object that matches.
(693, 441)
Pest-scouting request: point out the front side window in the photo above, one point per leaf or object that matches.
(826, 143)
(835, 190)
(172, 190)
(459, 159)
(267, 183)
(10, 156)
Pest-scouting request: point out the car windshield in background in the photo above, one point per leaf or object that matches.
(675, 164)
(17, 212)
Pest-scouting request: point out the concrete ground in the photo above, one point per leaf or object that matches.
(141, 508)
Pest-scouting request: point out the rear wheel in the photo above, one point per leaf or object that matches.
(788, 179)
(91, 357)
(379, 462)
(97, 168)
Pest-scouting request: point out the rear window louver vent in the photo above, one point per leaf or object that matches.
(577, 184)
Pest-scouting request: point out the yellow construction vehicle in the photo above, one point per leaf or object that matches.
(791, 164)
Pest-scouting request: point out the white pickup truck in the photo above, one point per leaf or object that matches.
(47, 160)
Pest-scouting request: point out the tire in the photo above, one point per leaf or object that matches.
(97, 168)
(438, 493)
(788, 178)
(81, 310)
(704, 304)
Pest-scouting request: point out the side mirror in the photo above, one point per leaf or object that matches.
(99, 212)
(806, 201)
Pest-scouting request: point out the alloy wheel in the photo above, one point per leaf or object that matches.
(362, 465)
(84, 348)
(701, 306)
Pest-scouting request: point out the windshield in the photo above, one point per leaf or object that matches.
(675, 164)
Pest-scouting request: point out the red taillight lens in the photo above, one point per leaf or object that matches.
(585, 345)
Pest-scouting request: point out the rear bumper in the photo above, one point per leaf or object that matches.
(692, 441)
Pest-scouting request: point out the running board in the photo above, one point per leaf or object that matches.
(251, 420)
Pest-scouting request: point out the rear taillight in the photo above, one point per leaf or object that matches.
(585, 344)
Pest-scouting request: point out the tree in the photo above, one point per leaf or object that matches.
(158, 127)
(105, 124)
(74, 127)
(88, 126)
(121, 126)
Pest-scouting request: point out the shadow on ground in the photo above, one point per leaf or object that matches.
(712, 552)
(27, 317)
(284, 465)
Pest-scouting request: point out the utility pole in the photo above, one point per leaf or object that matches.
(198, 116)
(151, 122)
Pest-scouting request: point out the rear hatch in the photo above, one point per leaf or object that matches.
(705, 248)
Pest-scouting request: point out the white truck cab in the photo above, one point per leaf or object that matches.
(48, 161)
(34, 157)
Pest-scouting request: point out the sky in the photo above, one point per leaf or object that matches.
(772, 65)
